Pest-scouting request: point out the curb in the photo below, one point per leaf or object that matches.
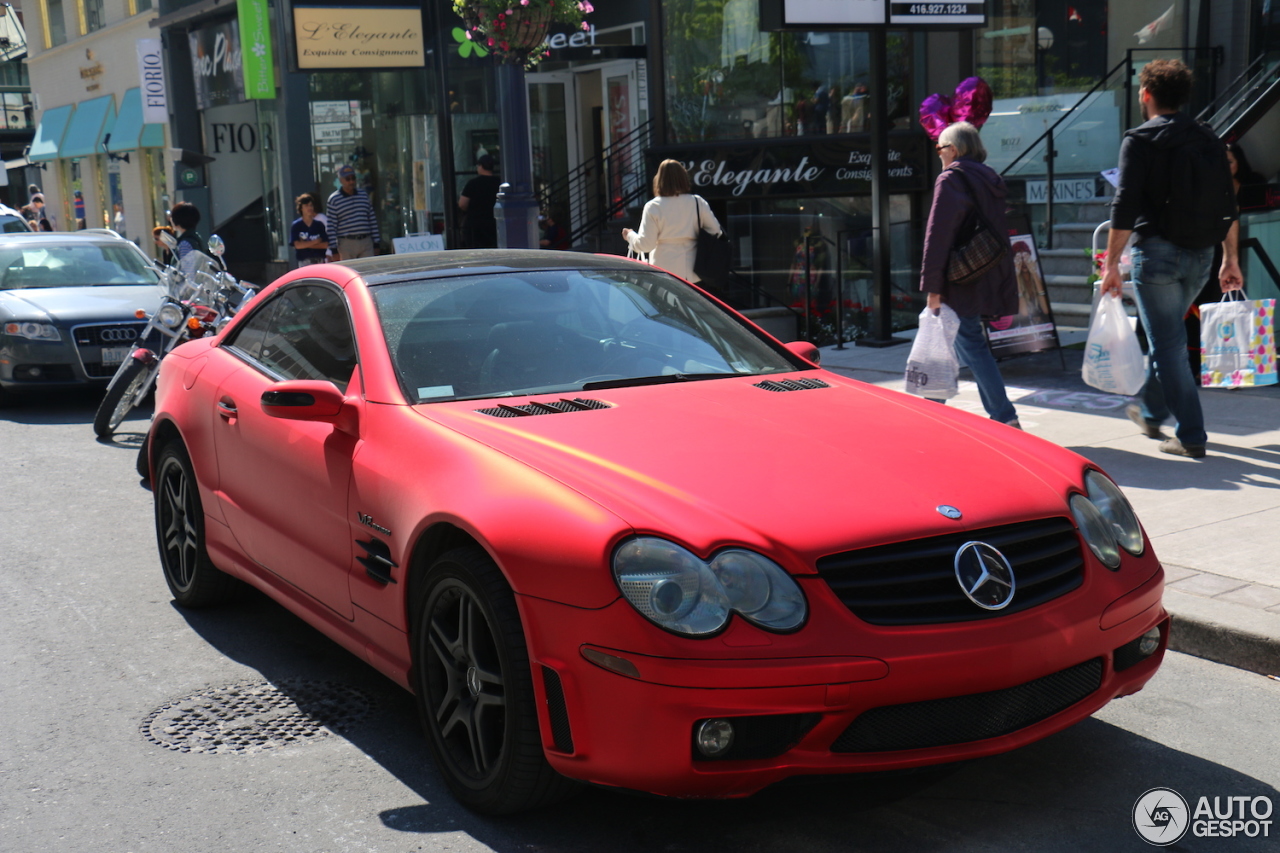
(1224, 633)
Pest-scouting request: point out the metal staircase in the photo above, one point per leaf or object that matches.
(1245, 100)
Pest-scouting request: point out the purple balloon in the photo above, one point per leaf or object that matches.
(935, 114)
(972, 102)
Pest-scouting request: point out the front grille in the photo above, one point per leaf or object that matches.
(107, 334)
(914, 583)
(43, 373)
(963, 719)
(761, 737)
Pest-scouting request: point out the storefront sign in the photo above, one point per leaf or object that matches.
(215, 63)
(233, 137)
(155, 96)
(842, 14)
(418, 243)
(808, 168)
(259, 66)
(358, 37)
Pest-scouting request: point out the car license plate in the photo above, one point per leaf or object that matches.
(115, 355)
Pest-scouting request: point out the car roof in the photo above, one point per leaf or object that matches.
(69, 238)
(391, 268)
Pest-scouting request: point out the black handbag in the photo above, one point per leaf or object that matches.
(713, 256)
(978, 246)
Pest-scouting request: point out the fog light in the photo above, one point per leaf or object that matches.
(714, 737)
(1149, 642)
(35, 372)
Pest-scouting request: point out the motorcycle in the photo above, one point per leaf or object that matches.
(195, 305)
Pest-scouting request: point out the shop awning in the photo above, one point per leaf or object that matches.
(128, 132)
(48, 138)
(84, 133)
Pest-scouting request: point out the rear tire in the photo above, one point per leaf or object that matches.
(192, 577)
(475, 690)
(121, 397)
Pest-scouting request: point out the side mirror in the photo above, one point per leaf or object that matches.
(170, 242)
(310, 400)
(216, 246)
(805, 350)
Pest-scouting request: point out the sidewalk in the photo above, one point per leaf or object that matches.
(1214, 522)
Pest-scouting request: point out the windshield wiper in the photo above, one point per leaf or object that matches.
(663, 379)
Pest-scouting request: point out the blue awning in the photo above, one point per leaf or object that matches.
(48, 138)
(125, 131)
(152, 136)
(84, 134)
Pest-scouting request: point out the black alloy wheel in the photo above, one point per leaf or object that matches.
(474, 688)
(193, 579)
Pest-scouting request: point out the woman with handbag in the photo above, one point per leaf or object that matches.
(671, 221)
(967, 262)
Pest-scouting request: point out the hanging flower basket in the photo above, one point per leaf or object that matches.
(515, 30)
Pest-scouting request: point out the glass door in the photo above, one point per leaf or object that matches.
(553, 132)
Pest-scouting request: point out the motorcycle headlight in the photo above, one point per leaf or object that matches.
(676, 590)
(1115, 508)
(1096, 530)
(33, 331)
(170, 315)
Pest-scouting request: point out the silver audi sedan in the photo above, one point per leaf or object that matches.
(68, 307)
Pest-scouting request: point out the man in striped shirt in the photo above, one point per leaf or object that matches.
(353, 229)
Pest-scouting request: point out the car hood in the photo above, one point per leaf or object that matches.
(814, 471)
(76, 304)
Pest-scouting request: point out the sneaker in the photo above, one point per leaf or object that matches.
(1149, 429)
(1177, 448)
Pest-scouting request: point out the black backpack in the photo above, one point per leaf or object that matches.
(1202, 200)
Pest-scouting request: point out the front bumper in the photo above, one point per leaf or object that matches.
(637, 732)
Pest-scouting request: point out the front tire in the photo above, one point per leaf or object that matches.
(475, 689)
(121, 397)
(193, 579)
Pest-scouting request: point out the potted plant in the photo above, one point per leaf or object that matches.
(516, 30)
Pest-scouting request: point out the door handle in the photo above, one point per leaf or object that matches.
(227, 408)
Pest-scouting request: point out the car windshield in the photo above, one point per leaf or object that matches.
(496, 335)
(85, 264)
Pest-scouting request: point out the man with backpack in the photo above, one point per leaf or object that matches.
(1175, 191)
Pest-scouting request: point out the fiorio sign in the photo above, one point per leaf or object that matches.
(155, 95)
(817, 168)
(358, 37)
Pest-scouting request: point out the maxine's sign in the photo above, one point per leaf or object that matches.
(798, 168)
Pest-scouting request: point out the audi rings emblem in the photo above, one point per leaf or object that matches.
(985, 575)
(120, 335)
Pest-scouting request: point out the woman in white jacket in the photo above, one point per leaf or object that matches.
(669, 226)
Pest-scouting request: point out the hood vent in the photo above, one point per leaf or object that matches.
(556, 408)
(791, 384)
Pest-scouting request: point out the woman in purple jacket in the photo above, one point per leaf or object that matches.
(995, 294)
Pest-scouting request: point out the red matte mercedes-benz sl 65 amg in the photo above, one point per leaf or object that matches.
(607, 530)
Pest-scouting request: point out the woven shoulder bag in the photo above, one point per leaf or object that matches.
(978, 246)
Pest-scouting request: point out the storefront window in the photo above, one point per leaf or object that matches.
(384, 125)
(726, 79)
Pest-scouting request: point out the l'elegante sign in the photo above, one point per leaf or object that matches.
(809, 168)
(358, 37)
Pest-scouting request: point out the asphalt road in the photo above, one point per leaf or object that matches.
(92, 646)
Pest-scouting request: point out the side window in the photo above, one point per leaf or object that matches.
(304, 333)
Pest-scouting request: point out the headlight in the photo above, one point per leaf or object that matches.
(678, 591)
(170, 315)
(34, 331)
(1096, 530)
(1115, 508)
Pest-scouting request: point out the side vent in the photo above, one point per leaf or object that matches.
(791, 384)
(377, 562)
(556, 408)
(557, 711)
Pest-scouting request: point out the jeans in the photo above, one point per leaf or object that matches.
(971, 346)
(1166, 281)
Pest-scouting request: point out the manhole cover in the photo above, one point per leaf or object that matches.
(256, 716)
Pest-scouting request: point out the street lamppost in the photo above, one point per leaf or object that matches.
(517, 207)
(1044, 41)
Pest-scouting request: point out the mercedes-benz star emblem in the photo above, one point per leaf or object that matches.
(949, 511)
(473, 681)
(985, 575)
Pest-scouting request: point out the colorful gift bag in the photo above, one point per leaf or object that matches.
(1238, 340)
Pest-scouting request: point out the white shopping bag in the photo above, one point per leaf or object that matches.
(1113, 359)
(932, 368)
(1238, 342)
